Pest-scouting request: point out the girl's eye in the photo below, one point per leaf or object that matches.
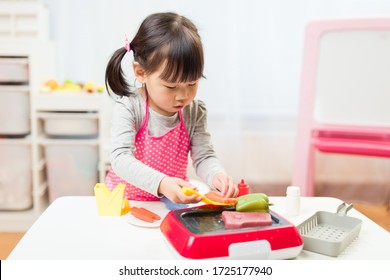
(172, 87)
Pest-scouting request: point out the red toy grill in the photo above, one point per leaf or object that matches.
(199, 233)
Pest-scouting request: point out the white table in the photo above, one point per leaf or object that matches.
(71, 229)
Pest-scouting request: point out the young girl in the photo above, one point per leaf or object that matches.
(156, 126)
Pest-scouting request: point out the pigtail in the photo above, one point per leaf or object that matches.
(115, 79)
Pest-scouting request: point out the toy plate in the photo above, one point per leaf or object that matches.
(140, 223)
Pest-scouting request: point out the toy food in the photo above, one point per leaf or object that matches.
(144, 214)
(243, 188)
(89, 87)
(52, 84)
(100, 88)
(69, 86)
(233, 219)
(217, 196)
(188, 191)
(254, 202)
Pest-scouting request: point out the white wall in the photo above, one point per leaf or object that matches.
(253, 54)
(253, 47)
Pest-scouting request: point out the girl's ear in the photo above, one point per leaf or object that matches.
(139, 72)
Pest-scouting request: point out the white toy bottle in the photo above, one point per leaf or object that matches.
(293, 200)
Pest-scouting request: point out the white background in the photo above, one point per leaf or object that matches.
(253, 51)
(253, 48)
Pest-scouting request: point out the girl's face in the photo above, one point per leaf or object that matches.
(164, 97)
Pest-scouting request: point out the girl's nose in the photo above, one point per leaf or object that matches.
(183, 94)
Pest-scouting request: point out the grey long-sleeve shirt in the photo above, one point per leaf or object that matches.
(128, 116)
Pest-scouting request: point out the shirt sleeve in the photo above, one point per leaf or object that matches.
(126, 121)
(203, 155)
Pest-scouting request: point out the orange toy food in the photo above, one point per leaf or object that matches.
(189, 191)
(218, 197)
(52, 84)
(144, 214)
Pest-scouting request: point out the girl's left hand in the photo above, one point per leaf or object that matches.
(225, 185)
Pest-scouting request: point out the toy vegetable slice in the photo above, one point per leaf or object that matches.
(144, 214)
(254, 202)
(151, 214)
(188, 191)
(217, 196)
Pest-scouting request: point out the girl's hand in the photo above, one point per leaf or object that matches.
(225, 185)
(170, 188)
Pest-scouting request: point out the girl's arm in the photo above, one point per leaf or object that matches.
(204, 158)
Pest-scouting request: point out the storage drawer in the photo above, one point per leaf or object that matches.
(14, 70)
(72, 169)
(14, 110)
(15, 176)
(70, 125)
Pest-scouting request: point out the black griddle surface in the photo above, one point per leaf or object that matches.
(208, 220)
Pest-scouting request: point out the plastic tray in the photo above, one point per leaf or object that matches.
(70, 125)
(329, 233)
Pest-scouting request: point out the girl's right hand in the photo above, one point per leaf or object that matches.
(170, 187)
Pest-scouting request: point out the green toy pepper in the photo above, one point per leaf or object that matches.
(254, 202)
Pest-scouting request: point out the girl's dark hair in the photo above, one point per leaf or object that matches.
(162, 38)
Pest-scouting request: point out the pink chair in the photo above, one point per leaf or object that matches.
(345, 93)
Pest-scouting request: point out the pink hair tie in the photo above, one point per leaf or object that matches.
(127, 44)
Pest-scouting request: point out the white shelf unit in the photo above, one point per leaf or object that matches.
(45, 105)
(24, 40)
(23, 20)
(98, 103)
(39, 58)
(69, 104)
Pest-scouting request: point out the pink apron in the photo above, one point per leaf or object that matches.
(167, 153)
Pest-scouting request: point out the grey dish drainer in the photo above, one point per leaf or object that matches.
(329, 233)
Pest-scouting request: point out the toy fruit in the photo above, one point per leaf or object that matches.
(68, 86)
(218, 197)
(52, 84)
(188, 191)
(89, 87)
(100, 88)
(254, 202)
